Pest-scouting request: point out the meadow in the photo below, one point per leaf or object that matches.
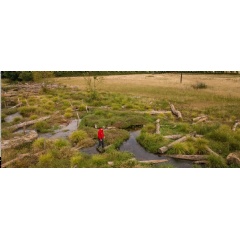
(122, 103)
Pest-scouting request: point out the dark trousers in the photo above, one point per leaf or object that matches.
(101, 143)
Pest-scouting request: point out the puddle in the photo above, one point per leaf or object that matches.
(10, 118)
(131, 145)
(61, 133)
(141, 154)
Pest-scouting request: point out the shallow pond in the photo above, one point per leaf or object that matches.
(131, 145)
(10, 118)
(63, 132)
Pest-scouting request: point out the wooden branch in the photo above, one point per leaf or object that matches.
(189, 157)
(15, 106)
(154, 161)
(24, 124)
(198, 118)
(201, 162)
(19, 140)
(174, 136)
(153, 112)
(164, 149)
(20, 157)
(235, 125)
(27, 102)
(212, 152)
(175, 112)
(201, 119)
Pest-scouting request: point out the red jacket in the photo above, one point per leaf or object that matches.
(100, 134)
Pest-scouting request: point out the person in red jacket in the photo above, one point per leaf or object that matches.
(100, 138)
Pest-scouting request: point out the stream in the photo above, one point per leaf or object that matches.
(131, 145)
(61, 133)
(10, 118)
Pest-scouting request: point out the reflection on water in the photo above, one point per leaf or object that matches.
(131, 145)
(63, 132)
(10, 118)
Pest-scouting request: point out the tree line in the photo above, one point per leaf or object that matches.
(36, 75)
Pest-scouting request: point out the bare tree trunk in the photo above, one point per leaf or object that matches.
(164, 149)
(181, 78)
(21, 125)
(174, 136)
(235, 125)
(189, 157)
(175, 112)
(154, 161)
(21, 156)
(19, 140)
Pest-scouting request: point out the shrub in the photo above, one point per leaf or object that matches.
(183, 127)
(10, 111)
(99, 161)
(45, 160)
(27, 110)
(6, 134)
(78, 136)
(216, 162)
(204, 128)
(42, 127)
(56, 158)
(200, 145)
(69, 110)
(33, 117)
(179, 148)
(60, 143)
(3, 117)
(38, 144)
(199, 85)
(26, 76)
(76, 161)
(17, 119)
(68, 115)
(151, 142)
(116, 136)
(149, 128)
(82, 107)
(81, 160)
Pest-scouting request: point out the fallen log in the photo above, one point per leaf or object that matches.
(164, 149)
(153, 112)
(198, 118)
(233, 158)
(235, 125)
(15, 106)
(203, 119)
(20, 157)
(201, 162)
(174, 136)
(212, 152)
(189, 157)
(154, 161)
(175, 112)
(19, 140)
(24, 124)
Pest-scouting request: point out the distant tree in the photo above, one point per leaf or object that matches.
(12, 75)
(42, 75)
(26, 76)
(92, 84)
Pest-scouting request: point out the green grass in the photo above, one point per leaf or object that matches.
(151, 142)
(220, 101)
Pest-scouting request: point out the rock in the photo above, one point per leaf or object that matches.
(233, 158)
(110, 163)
